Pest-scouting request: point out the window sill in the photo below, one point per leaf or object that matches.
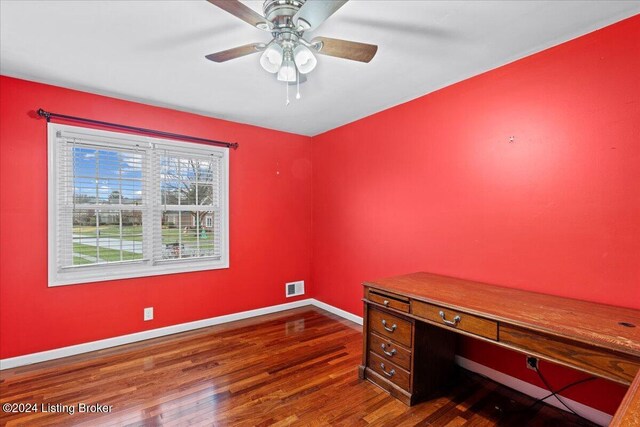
(132, 271)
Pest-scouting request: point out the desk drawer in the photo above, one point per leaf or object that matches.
(396, 302)
(615, 366)
(390, 326)
(388, 350)
(390, 371)
(456, 319)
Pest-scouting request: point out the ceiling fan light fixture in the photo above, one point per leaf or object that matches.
(287, 72)
(304, 58)
(271, 58)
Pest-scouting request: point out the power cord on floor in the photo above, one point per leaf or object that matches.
(554, 393)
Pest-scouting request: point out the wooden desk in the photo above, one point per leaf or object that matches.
(409, 346)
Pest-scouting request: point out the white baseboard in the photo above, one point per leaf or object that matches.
(534, 391)
(337, 311)
(72, 350)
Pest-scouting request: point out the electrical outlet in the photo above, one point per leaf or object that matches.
(148, 314)
(532, 363)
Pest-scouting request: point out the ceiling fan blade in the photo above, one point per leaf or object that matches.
(236, 52)
(345, 49)
(243, 12)
(315, 12)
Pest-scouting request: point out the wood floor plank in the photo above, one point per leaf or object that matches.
(291, 368)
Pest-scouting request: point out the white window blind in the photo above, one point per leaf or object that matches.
(189, 196)
(129, 206)
(100, 210)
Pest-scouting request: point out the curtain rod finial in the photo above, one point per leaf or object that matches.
(44, 114)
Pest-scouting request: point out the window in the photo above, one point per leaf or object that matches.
(124, 205)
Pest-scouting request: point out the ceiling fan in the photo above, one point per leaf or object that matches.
(288, 54)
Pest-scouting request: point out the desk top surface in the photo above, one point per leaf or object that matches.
(588, 322)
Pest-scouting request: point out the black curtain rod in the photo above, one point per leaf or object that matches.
(47, 115)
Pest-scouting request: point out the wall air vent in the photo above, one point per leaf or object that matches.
(293, 289)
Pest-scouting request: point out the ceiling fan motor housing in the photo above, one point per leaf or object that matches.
(280, 12)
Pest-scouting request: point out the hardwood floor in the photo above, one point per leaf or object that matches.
(297, 367)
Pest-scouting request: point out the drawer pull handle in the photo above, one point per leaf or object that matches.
(388, 353)
(384, 371)
(453, 322)
(391, 329)
(386, 303)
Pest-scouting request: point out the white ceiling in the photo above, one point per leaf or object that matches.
(153, 52)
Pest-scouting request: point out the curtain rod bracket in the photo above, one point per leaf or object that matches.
(48, 115)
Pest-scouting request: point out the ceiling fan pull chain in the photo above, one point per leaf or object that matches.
(298, 83)
(287, 85)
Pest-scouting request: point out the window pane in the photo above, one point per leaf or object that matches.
(84, 161)
(207, 235)
(131, 235)
(171, 234)
(108, 164)
(189, 238)
(108, 191)
(205, 194)
(131, 165)
(84, 237)
(187, 193)
(84, 190)
(205, 170)
(131, 192)
(169, 192)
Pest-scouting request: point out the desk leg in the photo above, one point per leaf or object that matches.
(365, 325)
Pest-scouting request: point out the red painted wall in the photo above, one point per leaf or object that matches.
(270, 227)
(431, 185)
(434, 185)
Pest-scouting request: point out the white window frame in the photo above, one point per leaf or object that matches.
(147, 266)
